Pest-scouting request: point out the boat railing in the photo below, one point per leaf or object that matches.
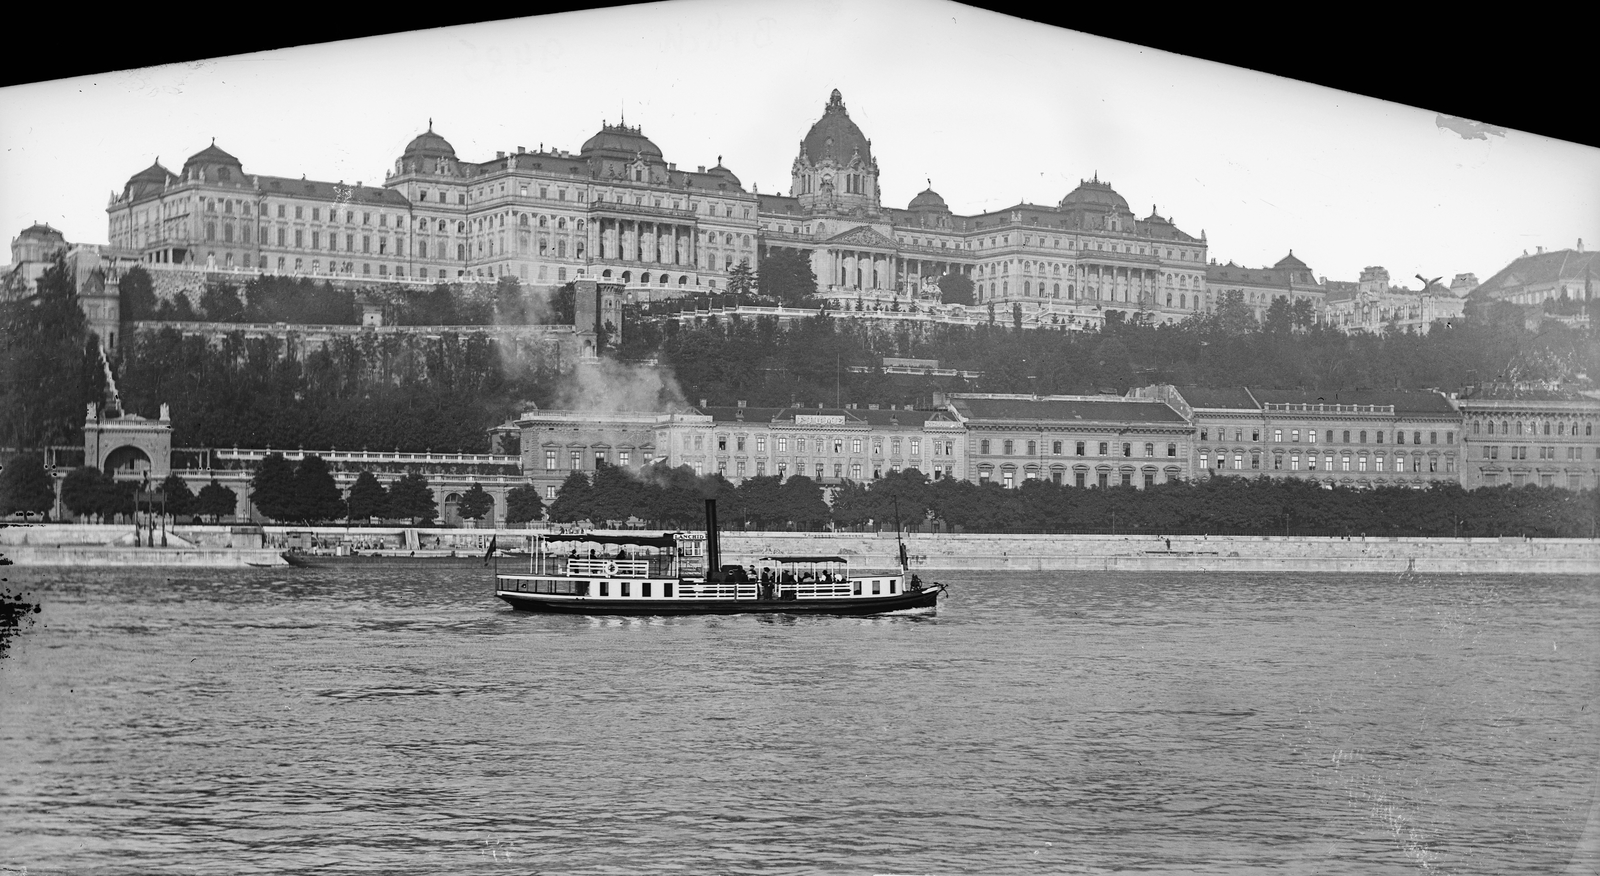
(608, 568)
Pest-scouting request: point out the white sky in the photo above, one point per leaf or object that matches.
(993, 109)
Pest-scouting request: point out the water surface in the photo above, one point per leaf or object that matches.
(407, 722)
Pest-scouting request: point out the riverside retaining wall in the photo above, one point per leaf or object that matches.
(68, 544)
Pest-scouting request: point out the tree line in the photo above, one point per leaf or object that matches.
(673, 498)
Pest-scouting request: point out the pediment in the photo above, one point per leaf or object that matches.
(863, 235)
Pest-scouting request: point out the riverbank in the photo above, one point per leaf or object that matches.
(241, 546)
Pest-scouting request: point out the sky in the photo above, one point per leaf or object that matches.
(990, 109)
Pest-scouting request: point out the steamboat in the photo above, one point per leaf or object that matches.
(682, 573)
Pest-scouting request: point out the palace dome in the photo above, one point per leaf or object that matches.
(620, 141)
(213, 165)
(428, 145)
(928, 200)
(725, 173)
(835, 136)
(1092, 194)
(1289, 261)
(42, 233)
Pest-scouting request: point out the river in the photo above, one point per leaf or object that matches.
(270, 721)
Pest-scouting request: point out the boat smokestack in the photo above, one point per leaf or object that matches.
(713, 550)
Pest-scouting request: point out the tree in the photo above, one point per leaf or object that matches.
(475, 504)
(565, 304)
(802, 503)
(572, 500)
(1280, 318)
(316, 495)
(523, 504)
(740, 278)
(25, 487)
(614, 495)
(221, 303)
(955, 289)
(272, 488)
(49, 363)
(85, 491)
(179, 500)
(1304, 314)
(786, 276)
(368, 498)
(136, 295)
(179, 309)
(412, 498)
(216, 501)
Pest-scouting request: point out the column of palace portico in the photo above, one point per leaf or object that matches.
(638, 240)
(1116, 283)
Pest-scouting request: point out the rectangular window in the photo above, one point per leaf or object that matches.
(549, 460)
(738, 442)
(576, 459)
(1277, 435)
(1033, 448)
(624, 458)
(761, 444)
(1433, 437)
(1080, 448)
(549, 492)
(1105, 448)
(783, 444)
(1345, 463)
(1008, 446)
(916, 447)
(1294, 462)
(983, 446)
(855, 445)
(1078, 479)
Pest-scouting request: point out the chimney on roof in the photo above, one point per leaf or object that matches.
(1541, 250)
(521, 150)
(672, 165)
(702, 169)
(1580, 244)
(499, 154)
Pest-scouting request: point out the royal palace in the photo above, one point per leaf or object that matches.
(617, 210)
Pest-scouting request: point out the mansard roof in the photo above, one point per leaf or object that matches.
(317, 190)
(620, 141)
(1540, 269)
(1065, 409)
(1405, 401)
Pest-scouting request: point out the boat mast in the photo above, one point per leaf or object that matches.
(901, 544)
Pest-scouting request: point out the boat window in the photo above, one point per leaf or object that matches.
(605, 588)
(644, 589)
(857, 588)
(624, 588)
(666, 588)
(892, 584)
(875, 585)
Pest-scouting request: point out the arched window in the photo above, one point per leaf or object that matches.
(544, 221)
(580, 224)
(561, 222)
(461, 228)
(644, 278)
(522, 219)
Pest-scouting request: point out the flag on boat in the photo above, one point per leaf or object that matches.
(490, 552)
(903, 557)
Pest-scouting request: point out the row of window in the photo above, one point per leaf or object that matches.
(575, 458)
(1399, 436)
(1573, 454)
(1080, 479)
(1009, 447)
(781, 442)
(1345, 462)
(1507, 427)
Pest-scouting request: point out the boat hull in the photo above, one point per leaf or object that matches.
(555, 604)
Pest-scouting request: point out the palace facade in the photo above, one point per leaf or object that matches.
(617, 210)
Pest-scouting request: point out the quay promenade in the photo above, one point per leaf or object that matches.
(224, 546)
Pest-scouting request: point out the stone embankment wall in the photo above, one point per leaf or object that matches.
(1188, 553)
(96, 545)
(64, 544)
